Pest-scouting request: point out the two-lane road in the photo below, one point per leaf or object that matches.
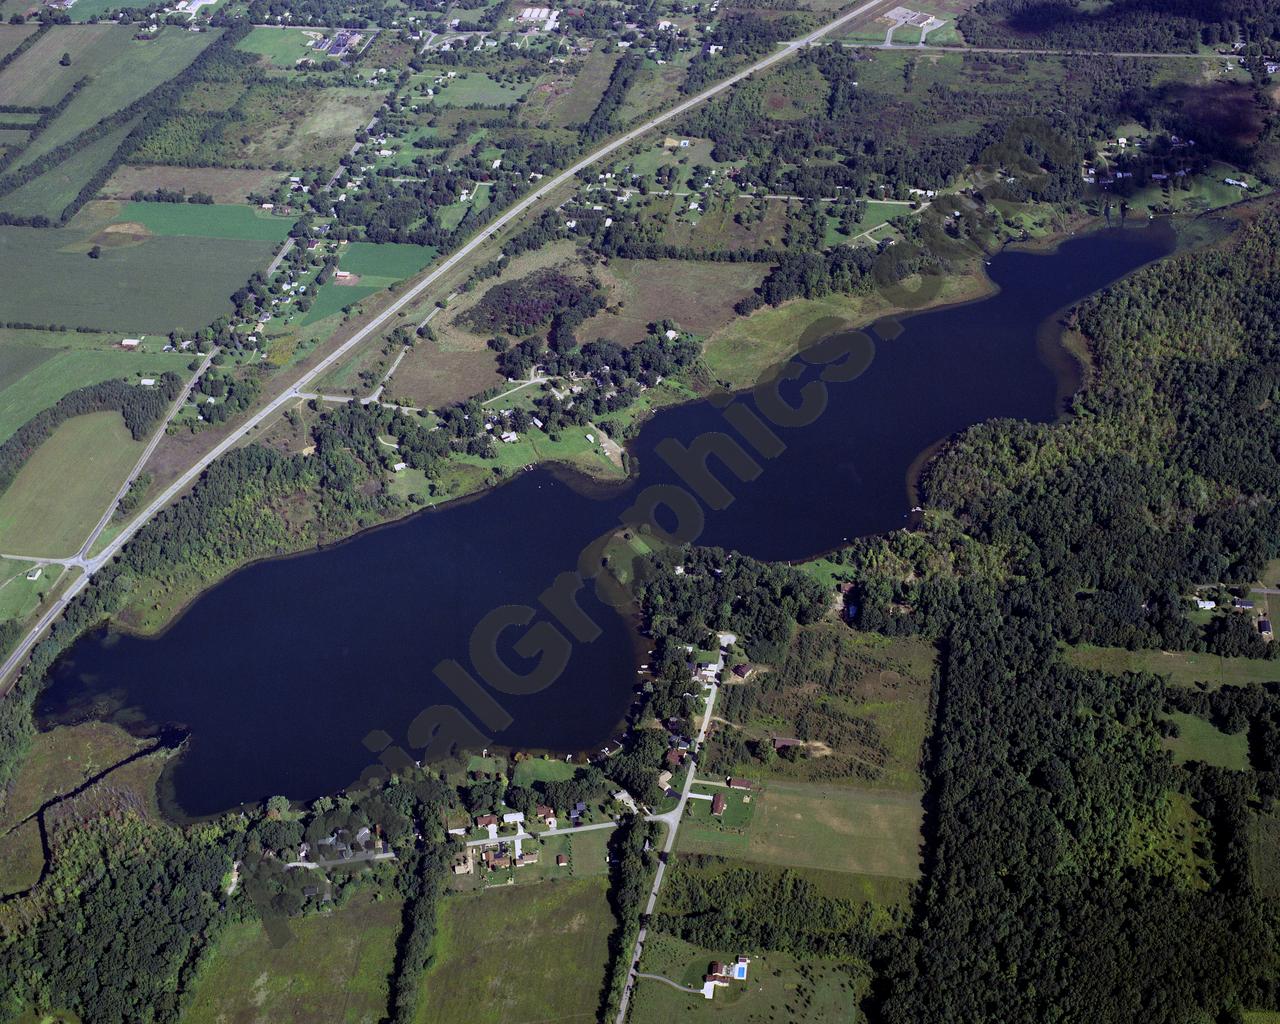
(377, 323)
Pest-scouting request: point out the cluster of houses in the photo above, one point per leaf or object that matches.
(1239, 604)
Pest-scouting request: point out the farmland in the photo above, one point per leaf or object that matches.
(50, 193)
(336, 969)
(240, 223)
(38, 368)
(20, 596)
(123, 70)
(140, 282)
(60, 492)
(511, 946)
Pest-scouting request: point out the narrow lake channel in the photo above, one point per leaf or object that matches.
(281, 670)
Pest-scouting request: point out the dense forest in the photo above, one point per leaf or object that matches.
(1052, 891)
(1124, 25)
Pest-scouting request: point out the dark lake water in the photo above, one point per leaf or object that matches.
(280, 671)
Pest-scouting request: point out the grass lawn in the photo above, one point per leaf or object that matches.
(1184, 668)
(227, 220)
(500, 956)
(775, 988)
(837, 828)
(19, 596)
(1198, 740)
(53, 373)
(543, 770)
(64, 488)
(335, 969)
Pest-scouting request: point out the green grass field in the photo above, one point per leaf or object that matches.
(34, 377)
(37, 79)
(384, 264)
(335, 970)
(1198, 740)
(1184, 668)
(500, 956)
(64, 488)
(223, 220)
(283, 46)
(852, 829)
(151, 284)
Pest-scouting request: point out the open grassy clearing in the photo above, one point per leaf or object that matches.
(57, 371)
(1265, 859)
(543, 770)
(1199, 740)
(500, 956)
(194, 219)
(336, 969)
(1184, 668)
(63, 489)
(129, 71)
(225, 184)
(146, 283)
(697, 296)
(775, 988)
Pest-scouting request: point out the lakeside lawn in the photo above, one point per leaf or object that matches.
(62, 490)
(500, 956)
(336, 969)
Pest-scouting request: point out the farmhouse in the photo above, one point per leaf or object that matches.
(739, 783)
(717, 804)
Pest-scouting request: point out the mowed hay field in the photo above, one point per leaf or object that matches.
(500, 956)
(201, 220)
(37, 79)
(336, 970)
(38, 367)
(853, 829)
(141, 282)
(698, 296)
(1184, 668)
(63, 489)
(50, 193)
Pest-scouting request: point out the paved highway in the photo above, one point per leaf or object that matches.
(544, 189)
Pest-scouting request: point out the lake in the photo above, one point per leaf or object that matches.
(280, 671)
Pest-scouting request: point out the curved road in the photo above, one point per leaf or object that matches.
(549, 185)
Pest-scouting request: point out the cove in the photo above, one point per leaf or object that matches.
(280, 671)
